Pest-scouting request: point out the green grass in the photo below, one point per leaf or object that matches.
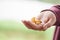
(13, 30)
(51, 1)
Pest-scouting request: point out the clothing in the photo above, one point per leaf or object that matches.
(56, 10)
(57, 33)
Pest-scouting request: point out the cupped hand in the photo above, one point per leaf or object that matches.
(47, 17)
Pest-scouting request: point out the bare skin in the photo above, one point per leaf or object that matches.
(48, 19)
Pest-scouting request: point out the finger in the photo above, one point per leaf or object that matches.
(40, 15)
(44, 28)
(49, 23)
(34, 26)
(26, 24)
(45, 19)
(41, 26)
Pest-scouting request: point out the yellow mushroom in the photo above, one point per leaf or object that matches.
(36, 21)
(33, 19)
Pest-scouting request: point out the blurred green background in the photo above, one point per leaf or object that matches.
(13, 30)
(51, 1)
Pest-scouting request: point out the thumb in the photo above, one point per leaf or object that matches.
(48, 24)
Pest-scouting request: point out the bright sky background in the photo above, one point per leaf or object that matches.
(19, 10)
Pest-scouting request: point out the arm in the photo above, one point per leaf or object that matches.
(56, 10)
(48, 17)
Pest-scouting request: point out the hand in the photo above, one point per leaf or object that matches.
(47, 18)
(31, 25)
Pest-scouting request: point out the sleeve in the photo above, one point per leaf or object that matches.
(56, 35)
(56, 10)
